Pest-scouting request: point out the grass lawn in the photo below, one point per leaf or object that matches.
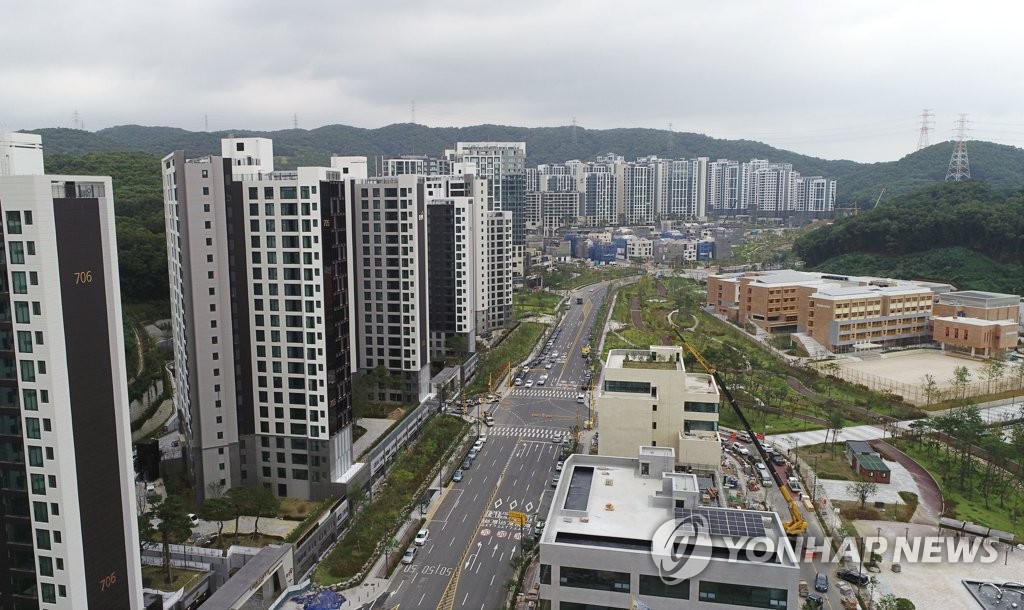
(768, 423)
(296, 508)
(568, 277)
(244, 539)
(534, 302)
(513, 349)
(820, 457)
(154, 577)
(958, 503)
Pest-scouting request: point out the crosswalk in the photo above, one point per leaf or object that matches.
(545, 393)
(525, 432)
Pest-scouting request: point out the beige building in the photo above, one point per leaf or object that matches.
(646, 398)
(982, 323)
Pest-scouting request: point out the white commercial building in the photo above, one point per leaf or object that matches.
(614, 520)
(70, 533)
(646, 397)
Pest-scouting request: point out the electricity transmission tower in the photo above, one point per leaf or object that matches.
(959, 168)
(926, 126)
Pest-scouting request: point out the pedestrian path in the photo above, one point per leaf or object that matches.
(545, 393)
(816, 437)
(525, 432)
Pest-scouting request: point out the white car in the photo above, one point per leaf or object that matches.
(481, 439)
(529, 383)
(762, 467)
(410, 555)
(478, 445)
(194, 519)
(548, 366)
(557, 438)
(421, 537)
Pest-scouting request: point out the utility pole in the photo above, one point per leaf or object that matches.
(295, 121)
(574, 131)
(412, 112)
(959, 167)
(670, 137)
(926, 126)
(206, 122)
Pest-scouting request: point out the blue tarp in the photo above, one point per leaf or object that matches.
(321, 600)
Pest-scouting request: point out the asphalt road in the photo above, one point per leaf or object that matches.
(471, 540)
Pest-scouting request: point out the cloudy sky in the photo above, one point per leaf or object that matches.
(831, 79)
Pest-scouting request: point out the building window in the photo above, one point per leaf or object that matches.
(600, 580)
(631, 387)
(14, 223)
(653, 585)
(742, 595)
(701, 407)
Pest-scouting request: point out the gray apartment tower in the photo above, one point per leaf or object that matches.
(261, 295)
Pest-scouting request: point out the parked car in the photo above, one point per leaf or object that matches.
(529, 383)
(815, 601)
(821, 582)
(194, 519)
(472, 454)
(421, 536)
(558, 466)
(779, 460)
(466, 463)
(538, 526)
(478, 445)
(410, 555)
(554, 480)
(489, 420)
(794, 484)
(853, 577)
(457, 476)
(482, 438)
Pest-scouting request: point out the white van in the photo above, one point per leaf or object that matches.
(581, 398)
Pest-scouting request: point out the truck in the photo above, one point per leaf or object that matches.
(585, 351)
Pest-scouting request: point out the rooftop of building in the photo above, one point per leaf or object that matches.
(661, 357)
(872, 462)
(606, 501)
(980, 323)
(833, 283)
(979, 298)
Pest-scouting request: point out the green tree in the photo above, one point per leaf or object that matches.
(931, 388)
(240, 499)
(960, 380)
(262, 503)
(173, 527)
(993, 371)
(219, 510)
(862, 490)
(835, 425)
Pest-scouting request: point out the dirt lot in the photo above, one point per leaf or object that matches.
(903, 372)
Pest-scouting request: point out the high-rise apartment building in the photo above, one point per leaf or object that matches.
(68, 516)
(260, 298)
(503, 164)
(469, 284)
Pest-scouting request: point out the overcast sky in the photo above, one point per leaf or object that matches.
(831, 79)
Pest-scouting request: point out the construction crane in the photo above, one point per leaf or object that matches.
(796, 525)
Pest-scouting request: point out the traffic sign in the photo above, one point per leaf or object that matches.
(517, 518)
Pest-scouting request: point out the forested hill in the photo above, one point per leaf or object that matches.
(963, 233)
(858, 183)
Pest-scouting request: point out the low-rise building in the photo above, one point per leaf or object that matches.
(847, 313)
(646, 397)
(612, 517)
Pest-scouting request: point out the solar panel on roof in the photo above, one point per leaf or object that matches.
(721, 522)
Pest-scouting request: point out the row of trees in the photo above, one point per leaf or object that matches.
(966, 429)
(167, 522)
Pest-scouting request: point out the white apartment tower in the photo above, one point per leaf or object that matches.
(260, 297)
(70, 535)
